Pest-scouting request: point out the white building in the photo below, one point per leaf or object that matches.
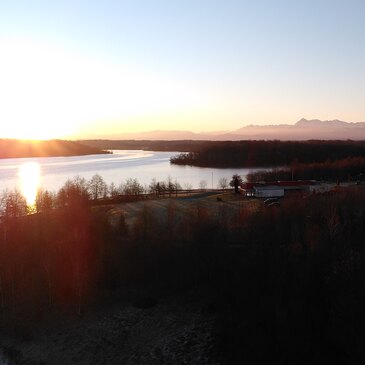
(268, 191)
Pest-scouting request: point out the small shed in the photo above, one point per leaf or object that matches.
(320, 188)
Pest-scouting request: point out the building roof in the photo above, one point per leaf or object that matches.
(269, 187)
(295, 183)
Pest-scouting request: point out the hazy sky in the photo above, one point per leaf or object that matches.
(99, 67)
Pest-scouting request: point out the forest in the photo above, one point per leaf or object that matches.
(198, 153)
(268, 153)
(153, 145)
(348, 169)
(283, 285)
(12, 148)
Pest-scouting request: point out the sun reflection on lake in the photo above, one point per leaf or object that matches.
(29, 174)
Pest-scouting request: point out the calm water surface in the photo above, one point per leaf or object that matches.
(116, 167)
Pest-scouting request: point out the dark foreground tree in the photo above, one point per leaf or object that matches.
(236, 182)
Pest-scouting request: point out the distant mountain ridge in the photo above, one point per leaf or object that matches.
(322, 123)
(303, 129)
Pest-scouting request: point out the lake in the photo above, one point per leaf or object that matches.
(116, 167)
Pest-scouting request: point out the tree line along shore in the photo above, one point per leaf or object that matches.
(245, 153)
(269, 153)
(310, 160)
(96, 191)
(329, 160)
(12, 148)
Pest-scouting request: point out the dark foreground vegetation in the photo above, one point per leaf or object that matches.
(11, 148)
(268, 153)
(284, 285)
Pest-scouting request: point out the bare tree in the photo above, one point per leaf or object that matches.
(223, 183)
(177, 187)
(45, 201)
(132, 187)
(203, 184)
(13, 204)
(153, 187)
(188, 187)
(97, 187)
(128, 187)
(113, 190)
(73, 192)
(170, 186)
(161, 188)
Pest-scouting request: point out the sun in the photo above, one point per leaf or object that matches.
(47, 91)
(35, 92)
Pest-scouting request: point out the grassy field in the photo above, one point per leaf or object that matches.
(226, 203)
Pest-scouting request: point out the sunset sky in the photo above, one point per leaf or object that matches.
(88, 68)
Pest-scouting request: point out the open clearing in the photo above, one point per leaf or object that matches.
(216, 204)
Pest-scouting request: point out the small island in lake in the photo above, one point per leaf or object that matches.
(13, 148)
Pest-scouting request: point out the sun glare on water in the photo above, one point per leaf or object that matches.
(29, 175)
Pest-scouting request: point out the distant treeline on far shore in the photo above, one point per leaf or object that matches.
(12, 148)
(172, 146)
(269, 153)
(347, 169)
(198, 153)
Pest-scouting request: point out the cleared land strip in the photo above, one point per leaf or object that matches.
(214, 204)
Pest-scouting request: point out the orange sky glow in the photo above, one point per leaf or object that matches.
(84, 70)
